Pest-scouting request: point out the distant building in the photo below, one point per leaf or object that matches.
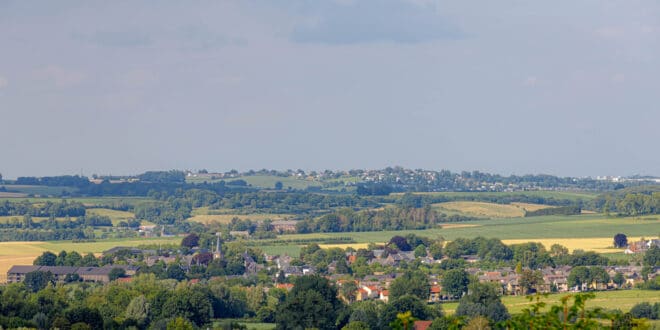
(17, 274)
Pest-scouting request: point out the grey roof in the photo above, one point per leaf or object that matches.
(59, 270)
(22, 269)
(93, 271)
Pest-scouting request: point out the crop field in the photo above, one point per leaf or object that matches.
(621, 299)
(529, 229)
(23, 253)
(481, 209)
(596, 244)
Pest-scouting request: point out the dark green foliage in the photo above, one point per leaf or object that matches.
(455, 282)
(561, 210)
(620, 240)
(46, 259)
(400, 243)
(652, 257)
(116, 273)
(38, 280)
(410, 283)
(193, 304)
(87, 315)
(409, 303)
(645, 310)
(190, 241)
(482, 300)
(312, 303)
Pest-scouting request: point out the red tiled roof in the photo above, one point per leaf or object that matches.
(422, 325)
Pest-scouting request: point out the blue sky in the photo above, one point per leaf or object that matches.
(563, 87)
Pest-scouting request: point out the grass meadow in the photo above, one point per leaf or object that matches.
(619, 299)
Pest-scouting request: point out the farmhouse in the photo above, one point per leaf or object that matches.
(283, 226)
(92, 274)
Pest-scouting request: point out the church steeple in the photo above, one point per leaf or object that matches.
(218, 250)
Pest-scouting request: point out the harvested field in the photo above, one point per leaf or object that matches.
(482, 209)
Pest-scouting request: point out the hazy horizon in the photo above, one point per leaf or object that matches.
(564, 88)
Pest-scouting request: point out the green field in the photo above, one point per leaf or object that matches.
(620, 299)
(577, 226)
(39, 190)
(588, 232)
(267, 181)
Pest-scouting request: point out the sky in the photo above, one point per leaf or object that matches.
(569, 88)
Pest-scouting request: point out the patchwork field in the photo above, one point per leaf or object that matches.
(528, 229)
(531, 207)
(23, 253)
(624, 300)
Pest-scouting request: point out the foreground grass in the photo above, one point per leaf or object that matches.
(620, 299)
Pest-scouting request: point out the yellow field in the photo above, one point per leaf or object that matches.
(24, 253)
(531, 207)
(226, 218)
(355, 246)
(481, 209)
(599, 245)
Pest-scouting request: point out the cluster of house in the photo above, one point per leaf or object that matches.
(507, 280)
(60, 273)
(642, 246)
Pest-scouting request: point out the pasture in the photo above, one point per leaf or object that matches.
(620, 299)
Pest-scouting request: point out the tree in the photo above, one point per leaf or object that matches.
(409, 303)
(190, 241)
(138, 310)
(401, 243)
(558, 251)
(312, 303)
(620, 240)
(83, 314)
(579, 276)
(180, 323)
(279, 185)
(643, 310)
(404, 321)
(46, 259)
(116, 273)
(412, 282)
(193, 304)
(356, 325)
(618, 279)
(348, 290)
(652, 257)
(482, 300)
(38, 280)
(420, 251)
(529, 280)
(455, 282)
